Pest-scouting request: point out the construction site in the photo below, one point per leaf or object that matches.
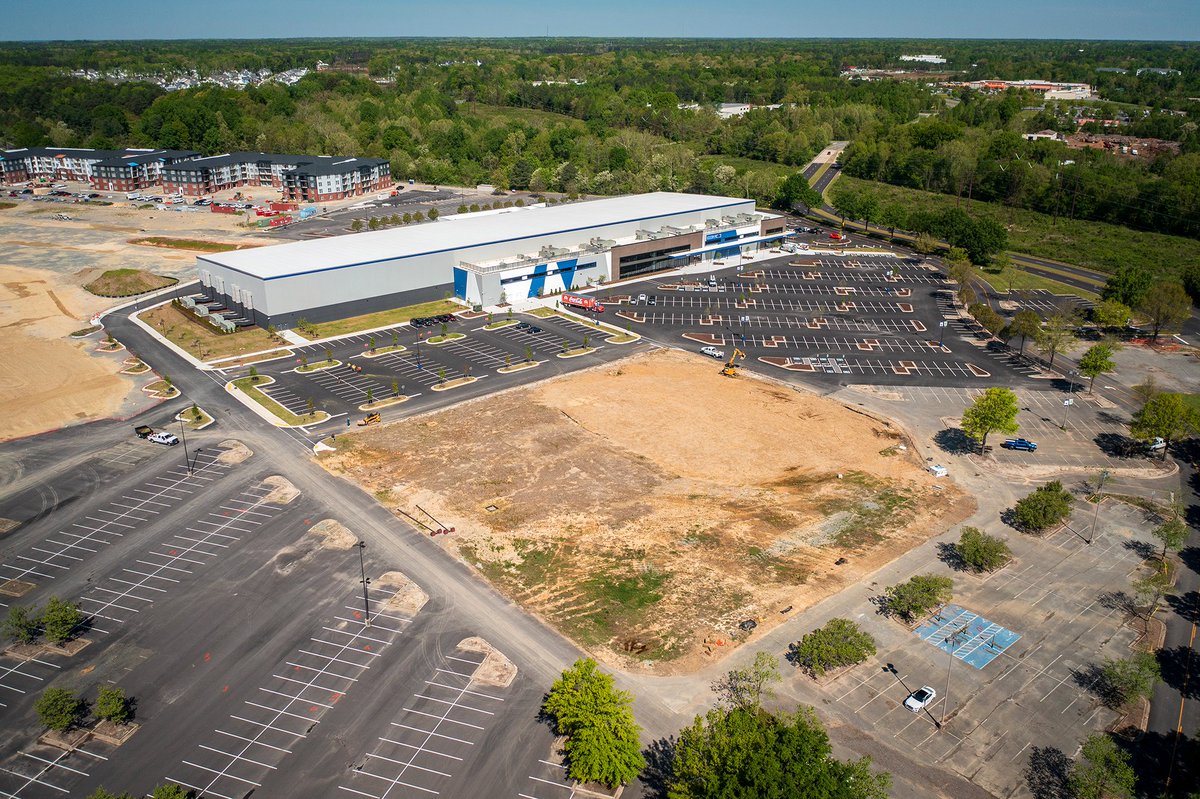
(654, 511)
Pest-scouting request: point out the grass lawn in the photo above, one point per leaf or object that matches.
(528, 115)
(249, 386)
(191, 244)
(1096, 245)
(1016, 279)
(201, 339)
(744, 165)
(395, 316)
(128, 282)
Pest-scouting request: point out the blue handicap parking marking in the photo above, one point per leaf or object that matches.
(968, 636)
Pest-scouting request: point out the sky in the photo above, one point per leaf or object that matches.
(252, 19)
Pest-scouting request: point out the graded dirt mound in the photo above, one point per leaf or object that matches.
(235, 452)
(408, 599)
(282, 490)
(647, 508)
(333, 534)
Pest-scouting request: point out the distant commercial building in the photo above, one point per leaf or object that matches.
(302, 177)
(84, 164)
(1158, 71)
(925, 58)
(1053, 135)
(1051, 90)
(485, 258)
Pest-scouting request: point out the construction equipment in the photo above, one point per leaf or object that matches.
(730, 368)
(369, 419)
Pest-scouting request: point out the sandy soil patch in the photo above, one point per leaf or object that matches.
(333, 534)
(495, 669)
(646, 507)
(47, 380)
(408, 599)
(235, 452)
(282, 490)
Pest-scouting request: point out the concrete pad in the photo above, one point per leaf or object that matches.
(409, 598)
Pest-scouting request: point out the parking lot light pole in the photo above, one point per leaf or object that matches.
(942, 335)
(1096, 517)
(365, 582)
(183, 437)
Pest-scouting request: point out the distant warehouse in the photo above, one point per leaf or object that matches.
(485, 258)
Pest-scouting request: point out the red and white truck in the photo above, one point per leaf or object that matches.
(580, 301)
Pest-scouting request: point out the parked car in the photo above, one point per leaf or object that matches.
(713, 352)
(641, 298)
(919, 699)
(653, 300)
(168, 439)
(534, 329)
(1156, 445)
(523, 325)
(1020, 444)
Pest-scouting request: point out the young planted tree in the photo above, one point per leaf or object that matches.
(60, 620)
(991, 321)
(994, 410)
(112, 705)
(195, 412)
(371, 343)
(1102, 771)
(1173, 534)
(1151, 589)
(328, 355)
(1164, 416)
(839, 643)
(1047, 506)
(918, 596)
(1132, 677)
(433, 214)
(441, 375)
(925, 244)
(982, 552)
(356, 225)
(395, 388)
(1095, 362)
(395, 339)
(749, 686)
(253, 375)
(1025, 324)
(373, 223)
(22, 624)
(1166, 307)
(445, 327)
(60, 709)
(1057, 334)
(303, 363)
(597, 719)
(312, 406)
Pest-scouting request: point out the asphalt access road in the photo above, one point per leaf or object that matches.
(889, 335)
(420, 367)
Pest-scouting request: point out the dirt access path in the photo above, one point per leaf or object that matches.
(648, 508)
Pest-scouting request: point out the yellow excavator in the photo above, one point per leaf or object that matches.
(730, 368)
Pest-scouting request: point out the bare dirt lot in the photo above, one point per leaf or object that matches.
(648, 508)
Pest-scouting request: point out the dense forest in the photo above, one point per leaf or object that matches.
(611, 116)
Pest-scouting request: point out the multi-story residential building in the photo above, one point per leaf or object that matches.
(302, 177)
(138, 169)
(336, 178)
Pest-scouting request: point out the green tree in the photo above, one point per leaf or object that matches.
(59, 709)
(1102, 771)
(528, 353)
(1129, 678)
(101, 793)
(839, 643)
(253, 373)
(462, 209)
(795, 194)
(370, 395)
(749, 686)
(1173, 534)
(892, 216)
(1095, 362)
(519, 174)
(441, 375)
(991, 321)
(1025, 324)
(1128, 286)
(1057, 334)
(1164, 416)
(982, 552)
(925, 244)
(170, 791)
(994, 410)
(1046, 506)
(22, 623)
(597, 718)
(356, 225)
(406, 218)
(1166, 306)
(395, 387)
(328, 355)
(1111, 313)
(845, 201)
(373, 223)
(919, 595)
(60, 620)
(1150, 589)
(746, 752)
(112, 705)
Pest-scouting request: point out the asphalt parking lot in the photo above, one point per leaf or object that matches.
(420, 366)
(243, 641)
(1065, 599)
(857, 318)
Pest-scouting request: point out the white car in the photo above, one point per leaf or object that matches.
(168, 439)
(713, 351)
(641, 298)
(920, 698)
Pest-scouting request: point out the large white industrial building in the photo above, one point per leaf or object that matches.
(485, 258)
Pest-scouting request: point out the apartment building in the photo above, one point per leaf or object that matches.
(136, 169)
(301, 177)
